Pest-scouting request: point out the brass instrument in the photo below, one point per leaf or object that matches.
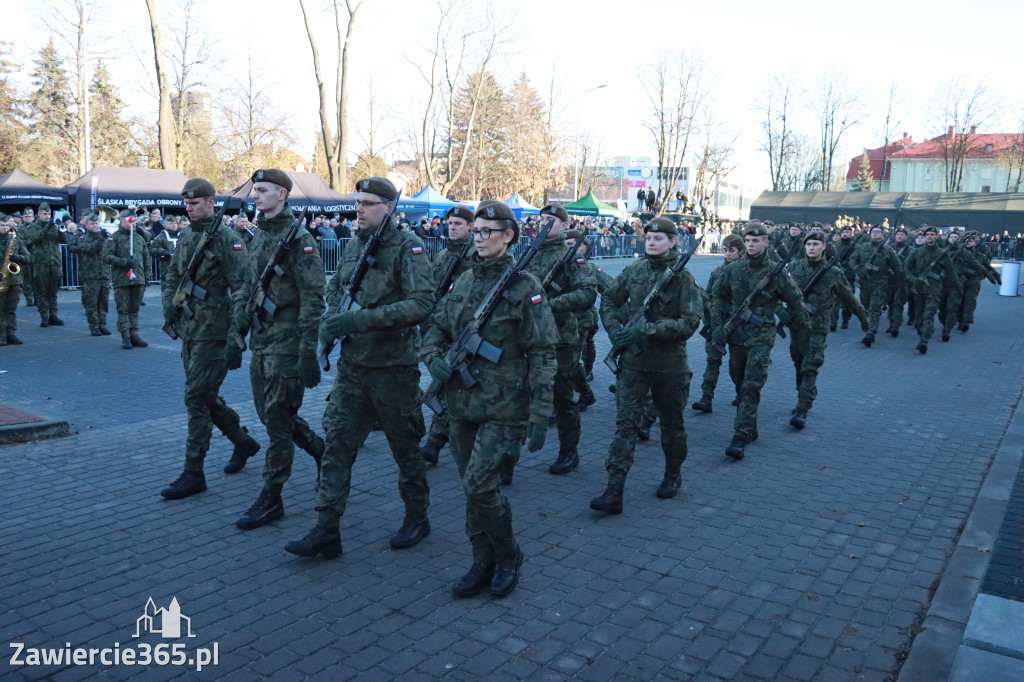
(7, 268)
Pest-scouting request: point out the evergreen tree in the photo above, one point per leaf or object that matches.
(111, 134)
(865, 180)
(52, 152)
(526, 164)
(12, 124)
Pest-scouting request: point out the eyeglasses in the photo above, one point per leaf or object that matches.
(368, 204)
(485, 233)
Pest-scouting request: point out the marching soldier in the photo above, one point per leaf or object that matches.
(842, 246)
(283, 362)
(13, 258)
(378, 378)
(953, 284)
(44, 239)
(128, 256)
(572, 289)
(93, 273)
(586, 323)
(206, 351)
(974, 272)
(512, 399)
(750, 345)
(898, 291)
(460, 225)
(661, 366)
(923, 268)
(875, 264)
(733, 250)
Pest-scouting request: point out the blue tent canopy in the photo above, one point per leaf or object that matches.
(435, 201)
(520, 206)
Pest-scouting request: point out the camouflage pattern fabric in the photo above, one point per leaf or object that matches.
(277, 392)
(204, 373)
(93, 275)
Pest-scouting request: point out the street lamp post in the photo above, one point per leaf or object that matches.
(576, 152)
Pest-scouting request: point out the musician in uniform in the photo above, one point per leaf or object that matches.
(164, 244)
(128, 256)
(13, 259)
(93, 273)
(44, 238)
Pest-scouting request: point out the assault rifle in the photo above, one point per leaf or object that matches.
(470, 344)
(187, 287)
(743, 312)
(559, 265)
(259, 300)
(819, 273)
(367, 259)
(449, 275)
(639, 315)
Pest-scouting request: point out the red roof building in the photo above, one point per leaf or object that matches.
(877, 157)
(923, 167)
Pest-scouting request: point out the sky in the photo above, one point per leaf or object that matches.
(920, 44)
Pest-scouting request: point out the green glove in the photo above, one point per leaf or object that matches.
(719, 338)
(232, 355)
(440, 370)
(239, 319)
(309, 370)
(625, 336)
(170, 312)
(335, 326)
(536, 432)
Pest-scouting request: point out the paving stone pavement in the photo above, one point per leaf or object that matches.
(812, 559)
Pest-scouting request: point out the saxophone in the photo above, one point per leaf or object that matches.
(7, 268)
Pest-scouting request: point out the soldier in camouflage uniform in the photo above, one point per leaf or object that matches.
(206, 350)
(10, 283)
(128, 256)
(842, 245)
(44, 239)
(243, 228)
(163, 246)
(923, 276)
(660, 367)
(792, 242)
(733, 249)
(378, 377)
(953, 286)
(574, 288)
(93, 273)
(876, 264)
(25, 219)
(898, 292)
(750, 345)
(512, 399)
(460, 222)
(974, 272)
(586, 323)
(807, 345)
(283, 362)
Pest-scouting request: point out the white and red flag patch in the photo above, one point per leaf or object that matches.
(237, 247)
(536, 298)
(307, 249)
(417, 250)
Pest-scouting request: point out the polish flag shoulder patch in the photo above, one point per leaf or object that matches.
(237, 247)
(417, 250)
(536, 298)
(581, 261)
(307, 249)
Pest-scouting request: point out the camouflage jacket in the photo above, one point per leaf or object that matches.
(870, 266)
(979, 269)
(450, 252)
(164, 242)
(243, 234)
(225, 266)
(794, 246)
(19, 250)
(846, 265)
(921, 272)
(115, 253)
(522, 381)
(587, 318)
(298, 293)
(737, 280)
(964, 263)
(89, 247)
(831, 288)
(44, 240)
(395, 296)
(578, 288)
(671, 320)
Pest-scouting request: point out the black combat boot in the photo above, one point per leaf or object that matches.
(895, 331)
(30, 302)
(735, 449)
(868, 339)
(945, 335)
(704, 404)
(670, 485)
(477, 579)
(643, 433)
(45, 322)
(845, 324)
(413, 530)
(586, 400)
(126, 342)
(267, 507)
(94, 332)
(323, 539)
(922, 346)
(964, 328)
(13, 340)
(104, 330)
(189, 483)
(431, 450)
(610, 501)
(799, 418)
(137, 341)
(566, 462)
(245, 448)
(55, 321)
(506, 574)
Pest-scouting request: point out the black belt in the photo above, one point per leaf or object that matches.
(288, 314)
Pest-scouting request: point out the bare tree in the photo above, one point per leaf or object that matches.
(716, 156)
(334, 135)
(892, 120)
(776, 107)
(837, 105)
(165, 121)
(1013, 157)
(675, 89)
(959, 107)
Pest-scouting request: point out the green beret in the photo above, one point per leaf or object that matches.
(733, 241)
(16, 214)
(925, 229)
(197, 187)
(125, 213)
(463, 212)
(663, 225)
(573, 234)
(901, 229)
(44, 207)
(382, 187)
(494, 211)
(815, 234)
(274, 175)
(556, 210)
(754, 229)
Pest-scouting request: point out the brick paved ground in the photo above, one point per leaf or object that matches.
(811, 559)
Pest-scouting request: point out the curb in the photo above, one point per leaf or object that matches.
(23, 433)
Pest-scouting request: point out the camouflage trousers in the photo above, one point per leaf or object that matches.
(27, 273)
(669, 392)
(847, 313)
(567, 414)
(579, 381)
(588, 351)
(8, 306)
(360, 397)
(711, 371)
(748, 367)
(46, 283)
(926, 304)
(127, 301)
(969, 301)
(482, 450)
(874, 294)
(96, 301)
(949, 306)
(896, 299)
(439, 424)
(807, 348)
(277, 393)
(204, 373)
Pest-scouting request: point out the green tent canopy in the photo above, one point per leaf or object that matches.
(591, 205)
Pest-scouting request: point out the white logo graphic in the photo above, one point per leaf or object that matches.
(170, 621)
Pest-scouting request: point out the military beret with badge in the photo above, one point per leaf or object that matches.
(197, 188)
(382, 187)
(274, 175)
(556, 210)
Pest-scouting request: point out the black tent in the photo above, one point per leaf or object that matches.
(19, 189)
(309, 193)
(127, 187)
